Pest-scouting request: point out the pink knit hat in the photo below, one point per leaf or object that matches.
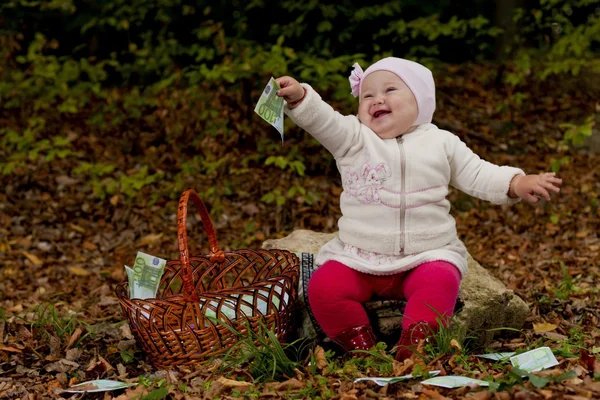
(417, 77)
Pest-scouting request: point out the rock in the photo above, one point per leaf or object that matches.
(485, 302)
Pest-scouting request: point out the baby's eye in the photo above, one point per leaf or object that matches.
(367, 96)
(390, 89)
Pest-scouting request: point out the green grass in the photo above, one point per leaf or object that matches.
(265, 356)
(48, 322)
(450, 338)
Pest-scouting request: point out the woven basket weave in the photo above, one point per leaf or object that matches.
(240, 288)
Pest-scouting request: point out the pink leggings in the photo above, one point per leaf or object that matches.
(336, 294)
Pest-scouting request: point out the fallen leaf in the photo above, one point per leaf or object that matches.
(89, 245)
(77, 228)
(149, 239)
(65, 180)
(290, 384)
(126, 332)
(544, 327)
(114, 200)
(78, 271)
(582, 234)
(251, 209)
(402, 368)
(33, 258)
(587, 360)
(454, 343)
(230, 383)
(122, 371)
(73, 354)
(10, 349)
(63, 365)
(320, 359)
(554, 336)
(98, 367)
(434, 394)
(74, 337)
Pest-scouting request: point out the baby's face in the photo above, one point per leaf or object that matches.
(387, 105)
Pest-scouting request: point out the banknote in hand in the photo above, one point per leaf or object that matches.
(270, 106)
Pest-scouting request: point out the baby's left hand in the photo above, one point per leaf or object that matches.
(526, 187)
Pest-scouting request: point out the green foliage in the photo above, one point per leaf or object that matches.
(319, 388)
(173, 76)
(472, 31)
(573, 345)
(104, 183)
(375, 358)
(555, 165)
(292, 164)
(517, 376)
(567, 286)
(284, 163)
(25, 146)
(160, 392)
(576, 135)
(555, 37)
(49, 81)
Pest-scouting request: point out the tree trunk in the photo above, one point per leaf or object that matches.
(505, 10)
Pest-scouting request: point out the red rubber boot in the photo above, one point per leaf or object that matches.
(358, 338)
(411, 337)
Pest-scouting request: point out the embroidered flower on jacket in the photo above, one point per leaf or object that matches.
(365, 186)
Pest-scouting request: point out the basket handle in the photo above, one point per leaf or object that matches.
(216, 255)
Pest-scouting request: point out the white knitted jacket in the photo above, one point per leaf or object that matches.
(394, 190)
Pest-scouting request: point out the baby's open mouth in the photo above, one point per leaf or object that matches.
(379, 113)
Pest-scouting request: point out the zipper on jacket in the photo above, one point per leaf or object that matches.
(402, 194)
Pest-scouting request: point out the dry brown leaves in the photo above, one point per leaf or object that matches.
(61, 246)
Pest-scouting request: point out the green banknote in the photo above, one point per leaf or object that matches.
(453, 381)
(130, 279)
(270, 106)
(145, 279)
(534, 360)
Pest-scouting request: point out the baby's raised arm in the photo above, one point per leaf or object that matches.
(526, 187)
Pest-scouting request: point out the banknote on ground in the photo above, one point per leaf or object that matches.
(270, 106)
(99, 385)
(534, 360)
(453, 381)
(388, 381)
(144, 277)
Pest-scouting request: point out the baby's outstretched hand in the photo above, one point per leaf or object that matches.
(528, 186)
(291, 90)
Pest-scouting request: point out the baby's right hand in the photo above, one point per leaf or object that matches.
(291, 90)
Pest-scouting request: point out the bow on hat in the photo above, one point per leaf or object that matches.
(355, 77)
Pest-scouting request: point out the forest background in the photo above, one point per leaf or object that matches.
(111, 109)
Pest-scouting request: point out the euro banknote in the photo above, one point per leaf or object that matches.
(144, 277)
(270, 106)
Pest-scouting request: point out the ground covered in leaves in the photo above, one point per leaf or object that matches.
(63, 249)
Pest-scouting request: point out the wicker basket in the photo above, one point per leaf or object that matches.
(239, 288)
